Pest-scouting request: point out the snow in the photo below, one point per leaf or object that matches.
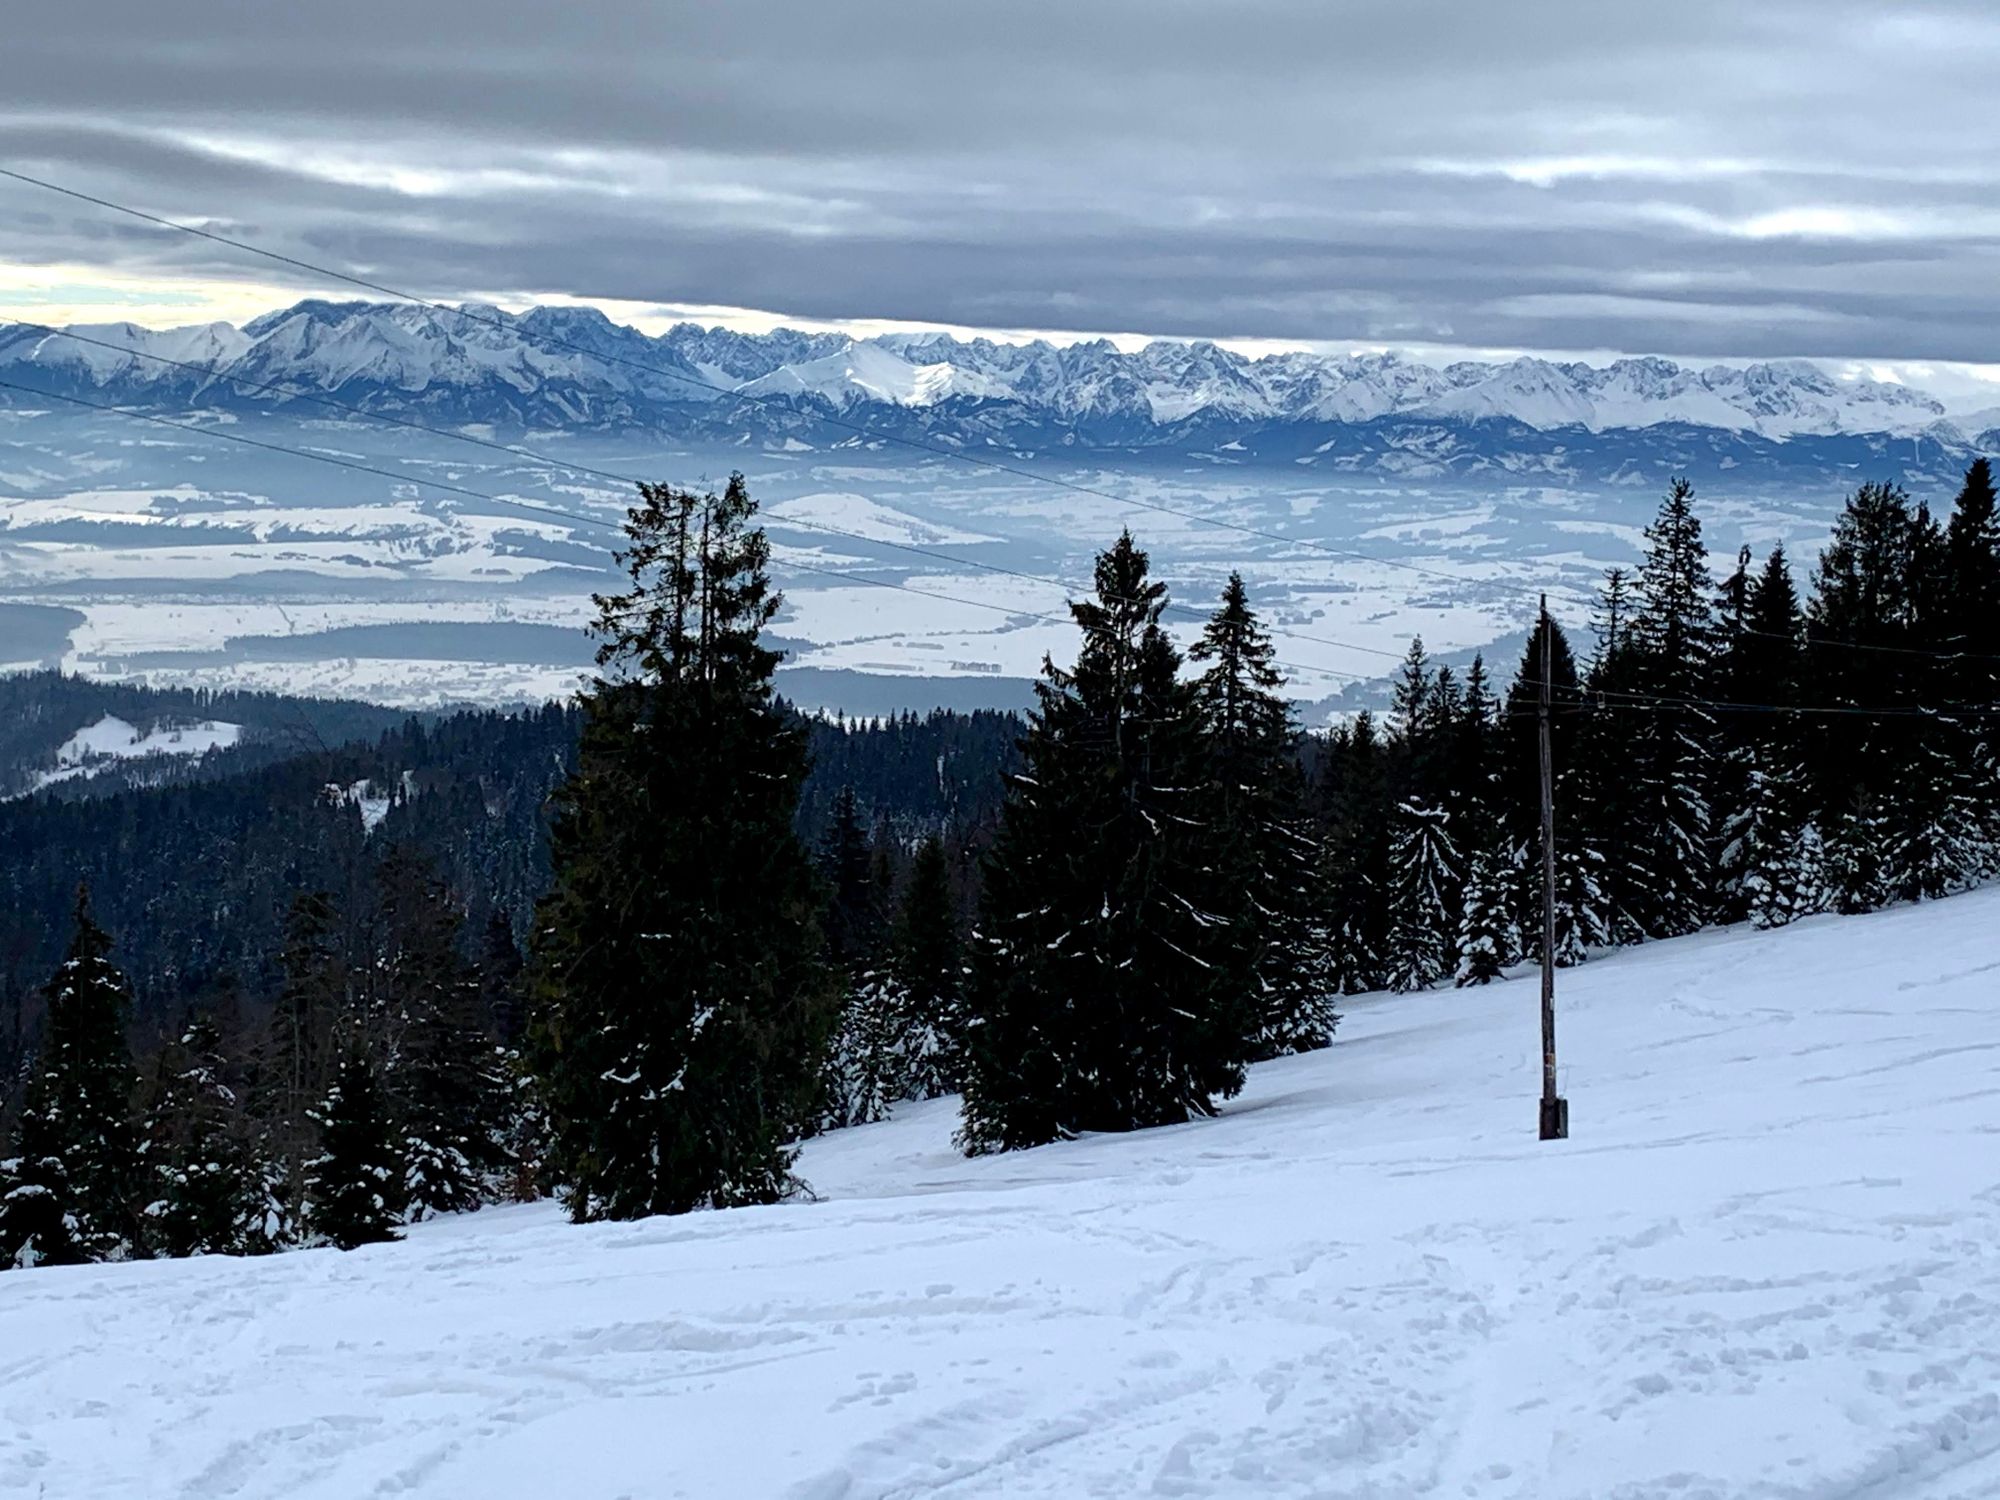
(868, 371)
(1765, 1265)
(373, 805)
(572, 354)
(113, 738)
(110, 739)
(861, 517)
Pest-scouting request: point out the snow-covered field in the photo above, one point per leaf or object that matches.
(111, 739)
(197, 563)
(1767, 1264)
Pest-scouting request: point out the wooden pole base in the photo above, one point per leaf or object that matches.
(1555, 1119)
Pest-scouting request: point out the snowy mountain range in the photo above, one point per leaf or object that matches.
(573, 367)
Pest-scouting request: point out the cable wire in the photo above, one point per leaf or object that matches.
(289, 391)
(1012, 612)
(873, 433)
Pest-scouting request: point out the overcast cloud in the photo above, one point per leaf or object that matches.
(1707, 178)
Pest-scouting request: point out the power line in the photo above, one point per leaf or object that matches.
(1636, 700)
(289, 391)
(336, 461)
(873, 433)
(861, 429)
(1629, 699)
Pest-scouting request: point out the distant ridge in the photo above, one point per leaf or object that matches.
(573, 367)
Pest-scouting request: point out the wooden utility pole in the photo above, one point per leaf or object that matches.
(1555, 1109)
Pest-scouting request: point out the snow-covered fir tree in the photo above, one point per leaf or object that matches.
(681, 995)
(1487, 937)
(928, 960)
(1351, 884)
(441, 1068)
(1423, 927)
(869, 1069)
(1353, 963)
(1670, 743)
(356, 1191)
(73, 1190)
(1104, 995)
(1267, 854)
(317, 992)
(1855, 858)
(210, 1193)
(1786, 878)
(1934, 841)
(1905, 814)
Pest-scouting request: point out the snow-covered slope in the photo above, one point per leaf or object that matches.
(574, 366)
(1764, 1265)
(111, 740)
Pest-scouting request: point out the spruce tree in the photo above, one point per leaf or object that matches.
(1968, 683)
(1777, 848)
(682, 998)
(441, 1068)
(1860, 618)
(1767, 864)
(1267, 856)
(1970, 622)
(1412, 693)
(500, 979)
(1856, 859)
(1972, 553)
(1671, 742)
(355, 1187)
(1423, 924)
(210, 1194)
(1476, 755)
(929, 963)
(316, 997)
(1934, 844)
(73, 1191)
(1351, 885)
(1487, 937)
(1735, 761)
(1103, 994)
(1900, 777)
(1600, 814)
(869, 1068)
(1933, 814)
(854, 901)
(1345, 932)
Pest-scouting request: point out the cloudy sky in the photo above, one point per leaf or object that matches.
(1709, 178)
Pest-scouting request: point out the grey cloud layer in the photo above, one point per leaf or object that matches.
(1261, 169)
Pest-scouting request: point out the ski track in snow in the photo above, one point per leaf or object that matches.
(1768, 1264)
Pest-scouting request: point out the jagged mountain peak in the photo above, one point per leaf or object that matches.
(571, 364)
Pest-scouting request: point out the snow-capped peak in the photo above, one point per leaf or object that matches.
(572, 364)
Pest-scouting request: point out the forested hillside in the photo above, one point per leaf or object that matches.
(751, 926)
(194, 878)
(42, 713)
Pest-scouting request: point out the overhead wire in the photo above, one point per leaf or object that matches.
(876, 434)
(289, 391)
(789, 564)
(1583, 694)
(871, 433)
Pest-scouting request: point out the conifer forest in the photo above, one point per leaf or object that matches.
(629, 951)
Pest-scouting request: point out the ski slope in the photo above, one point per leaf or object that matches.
(1768, 1264)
